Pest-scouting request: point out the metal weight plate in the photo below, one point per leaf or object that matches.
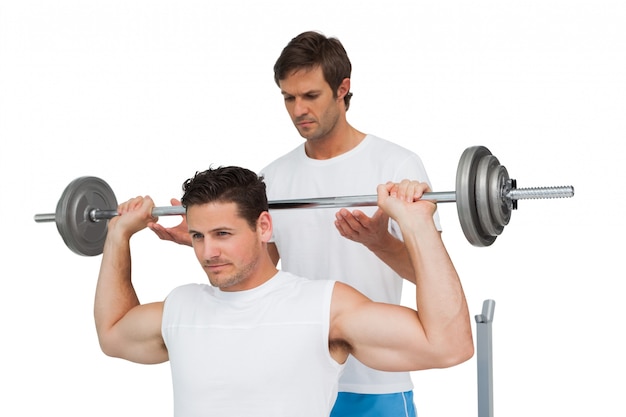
(486, 167)
(466, 196)
(501, 207)
(81, 234)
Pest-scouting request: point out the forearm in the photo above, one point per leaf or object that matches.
(394, 254)
(115, 294)
(442, 308)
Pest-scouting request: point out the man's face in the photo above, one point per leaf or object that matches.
(310, 102)
(227, 248)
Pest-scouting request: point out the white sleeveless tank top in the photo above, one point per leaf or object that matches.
(262, 352)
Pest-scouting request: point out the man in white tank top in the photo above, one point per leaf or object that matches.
(259, 342)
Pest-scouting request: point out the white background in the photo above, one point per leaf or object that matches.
(145, 93)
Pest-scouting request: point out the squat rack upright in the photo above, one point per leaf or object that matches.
(484, 359)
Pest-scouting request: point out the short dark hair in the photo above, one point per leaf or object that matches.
(311, 49)
(228, 184)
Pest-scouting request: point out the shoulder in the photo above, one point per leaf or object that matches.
(399, 161)
(291, 280)
(347, 305)
(287, 159)
(345, 297)
(380, 143)
(186, 291)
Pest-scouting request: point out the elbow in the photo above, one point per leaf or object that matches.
(108, 344)
(457, 352)
(450, 351)
(108, 348)
(462, 354)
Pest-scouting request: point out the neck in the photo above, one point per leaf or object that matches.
(334, 144)
(263, 271)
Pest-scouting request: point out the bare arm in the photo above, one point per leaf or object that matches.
(374, 234)
(126, 329)
(396, 338)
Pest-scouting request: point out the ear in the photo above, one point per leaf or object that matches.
(344, 88)
(264, 226)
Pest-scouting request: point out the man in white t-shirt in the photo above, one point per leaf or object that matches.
(313, 74)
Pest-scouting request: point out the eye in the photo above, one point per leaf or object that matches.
(196, 236)
(289, 99)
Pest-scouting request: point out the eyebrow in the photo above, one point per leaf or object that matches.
(314, 91)
(215, 229)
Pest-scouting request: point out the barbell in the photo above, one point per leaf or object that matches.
(485, 197)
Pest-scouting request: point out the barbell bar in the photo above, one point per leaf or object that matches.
(485, 197)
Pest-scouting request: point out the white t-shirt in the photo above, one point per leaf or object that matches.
(310, 246)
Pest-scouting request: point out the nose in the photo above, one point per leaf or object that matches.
(207, 250)
(300, 108)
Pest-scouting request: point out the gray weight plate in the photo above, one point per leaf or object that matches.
(466, 196)
(500, 207)
(486, 166)
(81, 234)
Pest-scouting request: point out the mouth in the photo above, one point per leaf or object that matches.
(305, 123)
(213, 268)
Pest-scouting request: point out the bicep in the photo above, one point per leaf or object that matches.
(382, 336)
(137, 336)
